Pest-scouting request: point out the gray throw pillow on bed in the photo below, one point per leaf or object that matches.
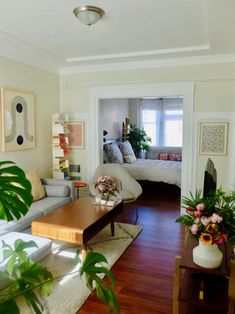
(126, 149)
(57, 190)
(113, 153)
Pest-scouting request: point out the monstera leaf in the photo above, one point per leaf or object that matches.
(15, 191)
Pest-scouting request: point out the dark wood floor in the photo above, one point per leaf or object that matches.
(144, 273)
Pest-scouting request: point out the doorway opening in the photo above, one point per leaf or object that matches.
(182, 89)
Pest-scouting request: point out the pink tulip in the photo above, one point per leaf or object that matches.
(189, 209)
(197, 213)
(200, 206)
(221, 240)
(205, 220)
(215, 218)
(194, 229)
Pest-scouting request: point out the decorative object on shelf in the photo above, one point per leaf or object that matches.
(125, 129)
(213, 138)
(107, 188)
(75, 134)
(104, 134)
(139, 140)
(88, 14)
(17, 110)
(211, 219)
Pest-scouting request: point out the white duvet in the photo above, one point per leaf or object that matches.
(166, 171)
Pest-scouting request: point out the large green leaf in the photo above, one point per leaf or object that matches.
(9, 307)
(92, 266)
(15, 191)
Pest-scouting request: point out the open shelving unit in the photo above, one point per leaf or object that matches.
(60, 151)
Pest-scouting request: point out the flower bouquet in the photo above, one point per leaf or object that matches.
(108, 190)
(210, 219)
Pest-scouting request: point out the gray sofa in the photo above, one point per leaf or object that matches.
(58, 193)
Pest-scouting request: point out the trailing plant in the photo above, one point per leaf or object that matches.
(29, 279)
(139, 140)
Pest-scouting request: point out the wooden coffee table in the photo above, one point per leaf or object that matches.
(77, 222)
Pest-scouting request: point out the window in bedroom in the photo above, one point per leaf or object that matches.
(162, 119)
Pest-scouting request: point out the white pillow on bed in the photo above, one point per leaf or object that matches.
(126, 149)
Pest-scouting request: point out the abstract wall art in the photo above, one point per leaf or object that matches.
(17, 116)
(75, 134)
(213, 138)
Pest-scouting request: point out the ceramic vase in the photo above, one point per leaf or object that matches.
(207, 256)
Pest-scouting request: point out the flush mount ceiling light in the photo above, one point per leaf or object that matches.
(88, 14)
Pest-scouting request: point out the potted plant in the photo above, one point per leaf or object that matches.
(139, 140)
(211, 220)
(29, 279)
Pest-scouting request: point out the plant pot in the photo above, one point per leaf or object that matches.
(207, 256)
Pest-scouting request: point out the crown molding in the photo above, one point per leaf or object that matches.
(138, 54)
(15, 48)
(160, 63)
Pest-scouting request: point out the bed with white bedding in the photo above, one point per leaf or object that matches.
(150, 169)
(166, 171)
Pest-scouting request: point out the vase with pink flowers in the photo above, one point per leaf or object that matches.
(211, 220)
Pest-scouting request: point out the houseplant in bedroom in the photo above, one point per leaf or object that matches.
(139, 140)
(211, 220)
(28, 279)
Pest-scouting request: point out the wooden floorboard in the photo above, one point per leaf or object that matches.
(144, 273)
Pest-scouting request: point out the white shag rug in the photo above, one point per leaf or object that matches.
(70, 292)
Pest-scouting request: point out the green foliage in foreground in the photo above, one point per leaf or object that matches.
(15, 191)
(24, 277)
(104, 291)
(32, 281)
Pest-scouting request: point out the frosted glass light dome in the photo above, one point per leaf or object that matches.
(88, 15)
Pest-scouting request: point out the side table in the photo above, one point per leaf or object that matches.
(201, 290)
(78, 185)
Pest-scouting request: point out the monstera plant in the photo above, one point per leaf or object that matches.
(15, 191)
(26, 278)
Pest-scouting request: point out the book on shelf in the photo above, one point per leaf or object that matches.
(60, 163)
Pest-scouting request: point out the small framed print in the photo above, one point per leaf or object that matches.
(75, 134)
(213, 138)
(17, 115)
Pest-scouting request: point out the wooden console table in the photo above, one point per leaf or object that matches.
(201, 290)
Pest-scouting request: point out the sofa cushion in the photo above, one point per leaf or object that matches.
(47, 204)
(57, 190)
(21, 224)
(38, 190)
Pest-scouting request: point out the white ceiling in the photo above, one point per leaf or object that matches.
(46, 34)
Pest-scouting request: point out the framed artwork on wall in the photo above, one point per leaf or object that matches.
(213, 138)
(75, 134)
(17, 115)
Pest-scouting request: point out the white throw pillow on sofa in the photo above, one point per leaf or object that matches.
(57, 190)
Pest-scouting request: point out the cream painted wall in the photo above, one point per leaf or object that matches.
(214, 93)
(45, 86)
(112, 113)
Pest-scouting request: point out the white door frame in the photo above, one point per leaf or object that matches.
(183, 89)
